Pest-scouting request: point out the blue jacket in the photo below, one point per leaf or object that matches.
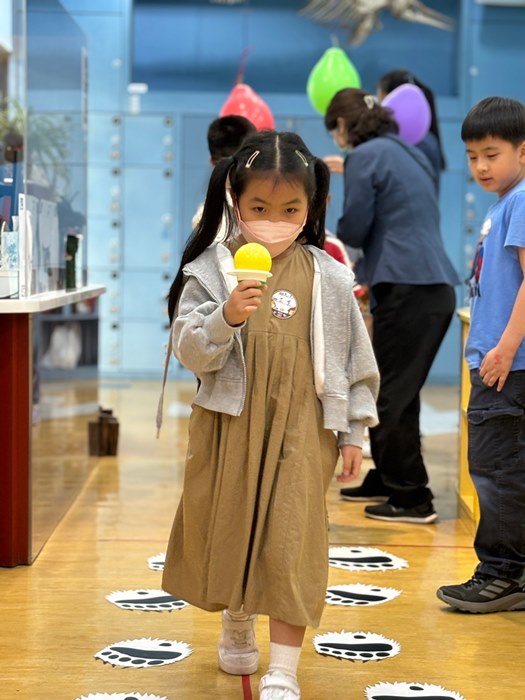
(391, 212)
(430, 147)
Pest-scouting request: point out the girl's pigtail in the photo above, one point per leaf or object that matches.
(215, 206)
(319, 202)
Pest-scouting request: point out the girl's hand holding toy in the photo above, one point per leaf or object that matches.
(243, 301)
(252, 263)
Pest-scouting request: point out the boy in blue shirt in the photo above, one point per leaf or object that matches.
(494, 134)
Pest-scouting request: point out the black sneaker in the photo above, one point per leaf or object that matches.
(363, 493)
(423, 513)
(484, 594)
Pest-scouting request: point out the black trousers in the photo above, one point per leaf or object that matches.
(410, 322)
(496, 454)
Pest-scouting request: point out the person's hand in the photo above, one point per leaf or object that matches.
(496, 366)
(243, 302)
(352, 457)
(336, 164)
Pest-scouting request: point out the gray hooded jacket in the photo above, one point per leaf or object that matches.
(345, 370)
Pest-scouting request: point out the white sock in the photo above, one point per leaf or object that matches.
(238, 616)
(284, 658)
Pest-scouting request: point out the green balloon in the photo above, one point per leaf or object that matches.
(332, 72)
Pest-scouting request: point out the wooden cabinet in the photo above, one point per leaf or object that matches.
(44, 460)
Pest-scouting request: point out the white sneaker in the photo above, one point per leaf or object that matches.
(279, 686)
(237, 651)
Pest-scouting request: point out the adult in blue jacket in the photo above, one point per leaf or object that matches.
(391, 212)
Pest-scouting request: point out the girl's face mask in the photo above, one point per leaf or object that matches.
(275, 236)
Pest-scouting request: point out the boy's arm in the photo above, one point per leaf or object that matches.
(497, 362)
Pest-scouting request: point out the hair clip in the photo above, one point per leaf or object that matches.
(370, 101)
(302, 157)
(251, 159)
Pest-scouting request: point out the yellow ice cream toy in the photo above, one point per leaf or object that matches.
(252, 262)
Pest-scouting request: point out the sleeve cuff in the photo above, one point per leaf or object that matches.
(354, 436)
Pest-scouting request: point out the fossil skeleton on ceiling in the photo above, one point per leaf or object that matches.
(360, 17)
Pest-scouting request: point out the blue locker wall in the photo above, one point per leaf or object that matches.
(148, 172)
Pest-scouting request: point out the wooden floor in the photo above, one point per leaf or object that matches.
(55, 618)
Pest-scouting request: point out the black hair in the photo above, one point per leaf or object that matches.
(226, 134)
(394, 79)
(282, 156)
(363, 116)
(499, 117)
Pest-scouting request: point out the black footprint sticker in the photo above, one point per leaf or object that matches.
(355, 646)
(364, 559)
(423, 691)
(121, 696)
(142, 653)
(359, 594)
(157, 562)
(149, 599)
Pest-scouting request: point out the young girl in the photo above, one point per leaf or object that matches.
(286, 380)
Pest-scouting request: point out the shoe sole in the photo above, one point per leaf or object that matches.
(367, 499)
(238, 668)
(511, 603)
(405, 518)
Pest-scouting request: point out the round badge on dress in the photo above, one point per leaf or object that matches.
(284, 304)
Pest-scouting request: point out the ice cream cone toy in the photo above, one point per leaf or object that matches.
(252, 262)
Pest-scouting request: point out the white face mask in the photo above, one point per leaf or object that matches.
(339, 137)
(275, 236)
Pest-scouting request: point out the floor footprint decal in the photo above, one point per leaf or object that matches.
(359, 594)
(146, 599)
(364, 559)
(355, 646)
(142, 653)
(121, 696)
(423, 691)
(157, 562)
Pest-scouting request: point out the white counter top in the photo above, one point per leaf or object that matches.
(49, 300)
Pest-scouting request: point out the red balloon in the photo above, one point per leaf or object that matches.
(244, 102)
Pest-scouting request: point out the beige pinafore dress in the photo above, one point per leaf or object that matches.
(251, 528)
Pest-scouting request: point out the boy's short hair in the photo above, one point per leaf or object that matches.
(226, 134)
(499, 117)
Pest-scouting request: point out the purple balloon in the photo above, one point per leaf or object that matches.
(411, 111)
